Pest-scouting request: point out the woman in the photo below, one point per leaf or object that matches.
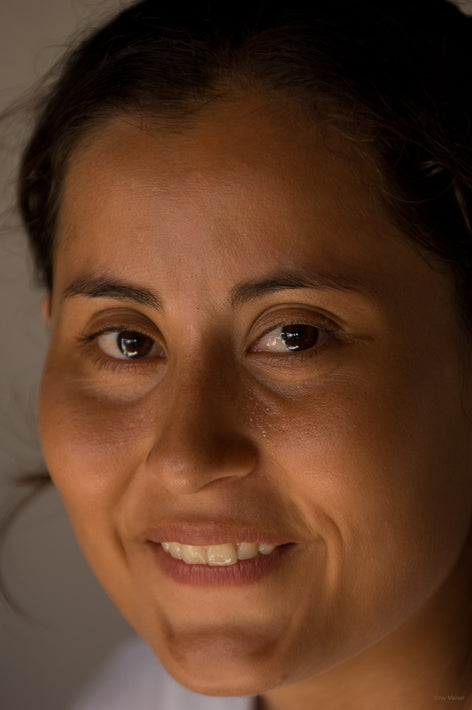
(252, 222)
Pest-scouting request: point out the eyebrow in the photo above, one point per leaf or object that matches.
(252, 290)
(103, 286)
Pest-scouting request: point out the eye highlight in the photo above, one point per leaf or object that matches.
(128, 345)
(290, 338)
(293, 337)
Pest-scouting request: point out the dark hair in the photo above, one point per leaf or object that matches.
(395, 76)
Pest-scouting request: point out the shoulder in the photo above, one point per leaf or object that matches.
(133, 678)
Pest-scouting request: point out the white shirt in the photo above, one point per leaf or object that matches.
(133, 679)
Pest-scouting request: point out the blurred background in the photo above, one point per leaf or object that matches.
(68, 625)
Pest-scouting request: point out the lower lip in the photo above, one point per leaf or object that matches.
(242, 572)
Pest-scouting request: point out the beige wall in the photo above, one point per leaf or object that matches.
(42, 661)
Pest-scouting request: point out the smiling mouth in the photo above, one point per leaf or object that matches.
(222, 555)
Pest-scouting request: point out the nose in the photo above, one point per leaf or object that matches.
(201, 438)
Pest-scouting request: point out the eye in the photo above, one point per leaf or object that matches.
(289, 338)
(129, 345)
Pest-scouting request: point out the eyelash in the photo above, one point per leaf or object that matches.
(106, 361)
(327, 328)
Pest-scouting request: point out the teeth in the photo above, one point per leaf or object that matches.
(222, 555)
(216, 555)
(247, 550)
(266, 549)
(194, 555)
(175, 549)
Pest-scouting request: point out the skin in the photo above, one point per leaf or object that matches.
(359, 450)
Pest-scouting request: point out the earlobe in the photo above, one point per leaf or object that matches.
(46, 308)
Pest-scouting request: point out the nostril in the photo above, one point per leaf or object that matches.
(200, 435)
(188, 465)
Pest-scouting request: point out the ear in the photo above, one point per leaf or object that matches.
(46, 308)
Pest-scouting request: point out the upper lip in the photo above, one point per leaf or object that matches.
(205, 532)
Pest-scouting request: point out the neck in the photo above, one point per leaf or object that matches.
(425, 664)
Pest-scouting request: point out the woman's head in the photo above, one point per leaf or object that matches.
(247, 345)
(393, 79)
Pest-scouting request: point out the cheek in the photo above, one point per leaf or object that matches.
(89, 445)
(366, 454)
(390, 436)
(372, 466)
(381, 469)
(91, 450)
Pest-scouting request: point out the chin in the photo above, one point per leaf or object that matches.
(223, 667)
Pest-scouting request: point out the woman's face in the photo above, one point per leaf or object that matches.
(245, 350)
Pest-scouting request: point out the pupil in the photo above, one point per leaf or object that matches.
(299, 336)
(134, 345)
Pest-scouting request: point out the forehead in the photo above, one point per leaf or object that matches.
(227, 149)
(250, 161)
(245, 188)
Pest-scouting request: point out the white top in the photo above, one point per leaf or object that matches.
(133, 679)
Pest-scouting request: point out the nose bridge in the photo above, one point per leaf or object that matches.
(201, 437)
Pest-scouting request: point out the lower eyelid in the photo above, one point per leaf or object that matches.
(326, 332)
